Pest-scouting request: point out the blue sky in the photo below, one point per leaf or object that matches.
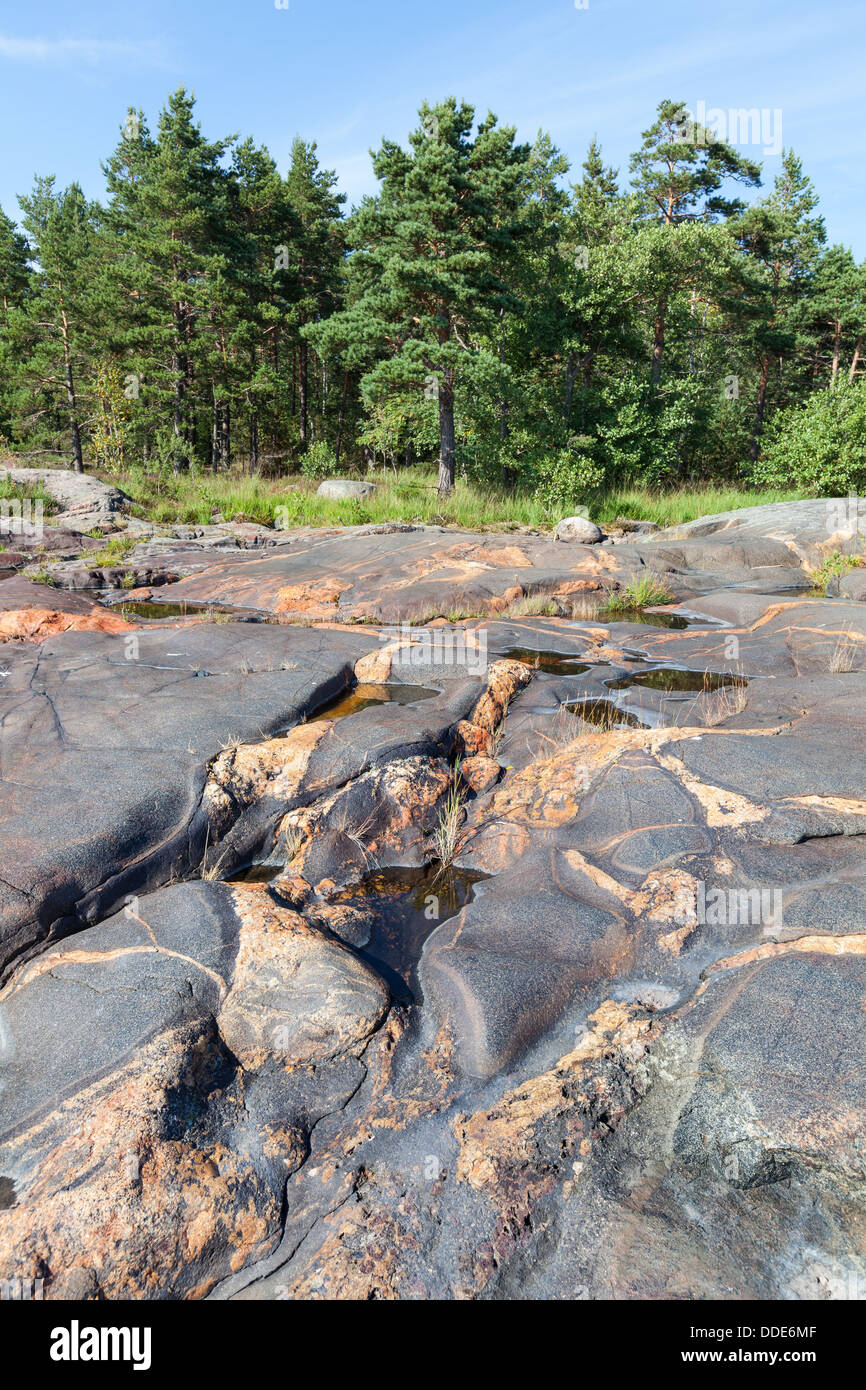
(344, 73)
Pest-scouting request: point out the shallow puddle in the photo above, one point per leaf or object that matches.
(256, 873)
(144, 608)
(670, 679)
(408, 904)
(605, 713)
(363, 696)
(639, 615)
(553, 663)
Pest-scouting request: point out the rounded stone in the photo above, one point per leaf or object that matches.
(338, 489)
(580, 529)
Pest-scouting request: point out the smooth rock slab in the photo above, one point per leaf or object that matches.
(781, 1071)
(159, 1075)
(105, 752)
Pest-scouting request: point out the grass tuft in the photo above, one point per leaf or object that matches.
(447, 836)
(639, 594)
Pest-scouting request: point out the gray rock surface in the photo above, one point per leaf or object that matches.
(615, 1051)
(580, 529)
(84, 502)
(338, 489)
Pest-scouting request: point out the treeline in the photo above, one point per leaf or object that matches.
(480, 309)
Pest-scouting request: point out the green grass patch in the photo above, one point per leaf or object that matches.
(639, 594)
(677, 507)
(411, 497)
(25, 492)
(114, 553)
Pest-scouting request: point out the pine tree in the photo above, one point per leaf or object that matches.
(430, 253)
(678, 175)
(599, 299)
(835, 311)
(782, 240)
(14, 266)
(167, 225)
(317, 257)
(62, 232)
(269, 289)
(15, 288)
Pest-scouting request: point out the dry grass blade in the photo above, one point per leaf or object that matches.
(447, 835)
(725, 702)
(844, 654)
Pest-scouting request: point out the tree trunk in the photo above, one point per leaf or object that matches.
(215, 435)
(759, 410)
(180, 462)
(180, 372)
(341, 419)
(226, 434)
(855, 359)
(302, 394)
(837, 347)
(658, 342)
(570, 379)
(77, 457)
(447, 444)
(509, 476)
(254, 441)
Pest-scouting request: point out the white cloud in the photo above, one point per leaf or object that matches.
(70, 51)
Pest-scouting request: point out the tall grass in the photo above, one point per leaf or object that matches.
(679, 505)
(409, 496)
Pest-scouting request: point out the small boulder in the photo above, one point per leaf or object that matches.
(851, 585)
(339, 489)
(480, 773)
(579, 529)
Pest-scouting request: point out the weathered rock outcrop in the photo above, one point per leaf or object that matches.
(532, 966)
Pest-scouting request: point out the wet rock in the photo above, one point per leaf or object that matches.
(383, 817)
(111, 735)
